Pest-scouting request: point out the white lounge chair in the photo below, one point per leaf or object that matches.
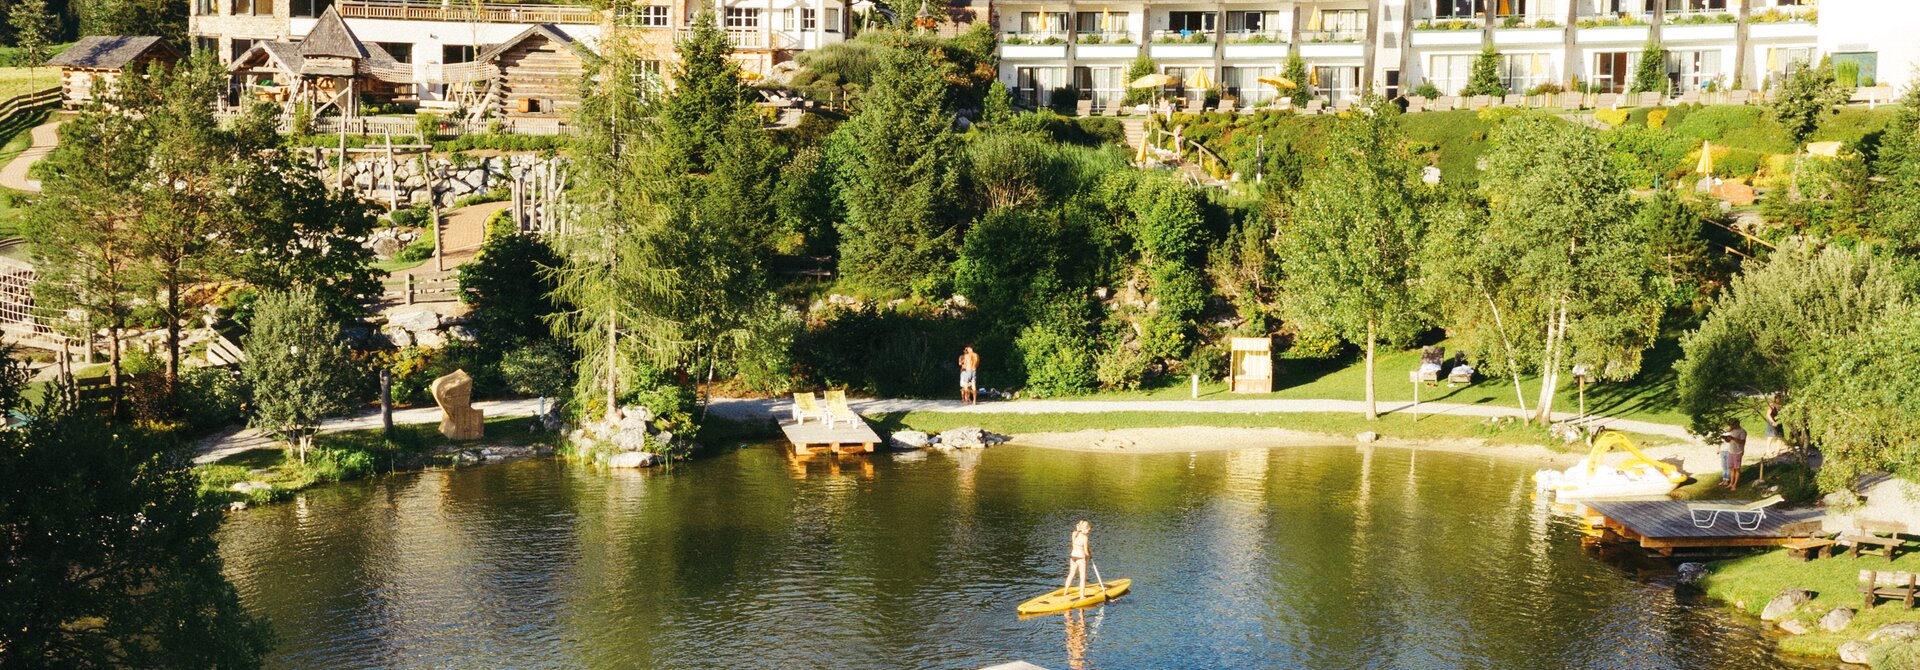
(1747, 516)
(837, 409)
(805, 406)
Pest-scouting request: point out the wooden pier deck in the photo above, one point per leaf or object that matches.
(1666, 525)
(815, 437)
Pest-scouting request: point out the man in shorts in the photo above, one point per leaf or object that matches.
(969, 376)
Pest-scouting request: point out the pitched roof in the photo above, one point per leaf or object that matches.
(331, 37)
(547, 30)
(110, 51)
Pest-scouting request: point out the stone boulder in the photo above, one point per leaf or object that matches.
(1855, 651)
(430, 339)
(1836, 620)
(463, 333)
(416, 321)
(249, 486)
(632, 459)
(909, 440)
(1691, 573)
(1904, 631)
(398, 337)
(1784, 604)
(629, 440)
(970, 437)
(1795, 627)
(1367, 437)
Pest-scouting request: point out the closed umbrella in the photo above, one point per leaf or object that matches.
(1706, 159)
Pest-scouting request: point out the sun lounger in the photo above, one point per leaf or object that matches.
(1315, 106)
(1460, 374)
(1570, 101)
(1479, 102)
(1083, 108)
(1607, 101)
(1747, 516)
(837, 409)
(1513, 100)
(805, 406)
(1443, 103)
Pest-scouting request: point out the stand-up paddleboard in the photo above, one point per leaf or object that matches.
(1070, 597)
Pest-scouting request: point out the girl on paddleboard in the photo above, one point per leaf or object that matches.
(1077, 557)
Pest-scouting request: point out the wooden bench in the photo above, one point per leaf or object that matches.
(1875, 537)
(1806, 542)
(1901, 586)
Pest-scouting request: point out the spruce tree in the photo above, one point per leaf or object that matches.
(1650, 74)
(1485, 79)
(899, 180)
(1897, 199)
(1296, 72)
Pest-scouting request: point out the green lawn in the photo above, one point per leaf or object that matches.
(348, 455)
(18, 80)
(1337, 426)
(1748, 583)
(1648, 397)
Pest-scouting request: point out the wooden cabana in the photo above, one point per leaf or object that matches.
(331, 69)
(537, 72)
(1250, 365)
(104, 58)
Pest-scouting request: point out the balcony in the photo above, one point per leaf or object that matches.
(1332, 36)
(1525, 31)
(486, 12)
(1623, 27)
(1182, 44)
(1105, 44)
(1036, 44)
(1261, 44)
(1783, 24)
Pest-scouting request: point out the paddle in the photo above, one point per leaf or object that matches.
(1096, 574)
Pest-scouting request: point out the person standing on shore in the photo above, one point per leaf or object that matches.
(969, 376)
(1733, 450)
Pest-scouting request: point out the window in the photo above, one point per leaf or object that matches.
(309, 8)
(1104, 86)
(1857, 68)
(457, 53)
(1520, 72)
(1692, 70)
(1339, 25)
(1092, 23)
(206, 45)
(1781, 60)
(1252, 22)
(1043, 23)
(1244, 83)
(1035, 86)
(786, 20)
(1612, 71)
(241, 7)
(204, 8)
(743, 18)
(1449, 73)
(1336, 82)
(650, 16)
(833, 19)
(1190, 21)
(807, 19)
(1393, 84)
(1687, 6)
(239, 48)
(1458, 9)
(402, 52)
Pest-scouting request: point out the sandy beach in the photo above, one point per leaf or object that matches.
(1693, 458)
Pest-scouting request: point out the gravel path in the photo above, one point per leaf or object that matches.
(14, 174)
(237, 440)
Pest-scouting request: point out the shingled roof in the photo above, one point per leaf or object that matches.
(331, 37)
(547, 30)
(110, 52)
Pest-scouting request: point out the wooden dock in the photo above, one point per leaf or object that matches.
(815, 437)
(1663, 526)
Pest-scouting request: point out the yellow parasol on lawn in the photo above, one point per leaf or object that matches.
(1706, 159)
(1279, 82)
(1155, 80)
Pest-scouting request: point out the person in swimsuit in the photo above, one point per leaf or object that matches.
(969, 376)
(1077, 557)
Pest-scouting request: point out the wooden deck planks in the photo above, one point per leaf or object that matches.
(1668, 523)
(841, 438)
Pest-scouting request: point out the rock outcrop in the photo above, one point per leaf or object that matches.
(1784, 604)
(968, 437)
(909, 440)
(1836, 620)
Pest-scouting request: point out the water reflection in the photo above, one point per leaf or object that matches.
(1313, 558)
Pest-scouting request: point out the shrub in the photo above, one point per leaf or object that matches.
(1210, 362)
(211, 398)
(1656, 118)
(1120, 368)
(1056, 361)
(1427, 90)
(1548, 88)
(1612, 117)
(1310, 347)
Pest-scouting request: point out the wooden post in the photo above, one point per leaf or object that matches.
(386, 401)
(409, 288)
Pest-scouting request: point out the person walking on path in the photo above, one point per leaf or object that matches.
(1077, 556)
(969, 376)
(1733, 450)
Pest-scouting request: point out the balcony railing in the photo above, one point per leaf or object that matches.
(1620, 19)
(1182, 37)
(1104, 37)
(1351, 35)
(489, 12)
(1700, 17)
(1257, 37)
(1034, 37)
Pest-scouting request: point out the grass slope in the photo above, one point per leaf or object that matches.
(1748, 583)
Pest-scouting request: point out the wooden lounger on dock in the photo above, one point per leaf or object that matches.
(1901, 586)
(1747, 515)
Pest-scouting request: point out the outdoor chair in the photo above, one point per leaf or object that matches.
(1747, 516)
(1739, 97)
(1196, 105)
(1571, 101)
(1690, 97)
(1444, 103)
(1342, 106)
(837, 409)
(1416, 103)
(1112, 109)
(1607, 101)
(1083, 108)
(1315, 106)
(804, 406)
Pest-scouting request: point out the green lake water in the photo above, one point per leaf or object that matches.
(1330, 557)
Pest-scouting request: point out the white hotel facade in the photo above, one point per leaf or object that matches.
(1393, 46)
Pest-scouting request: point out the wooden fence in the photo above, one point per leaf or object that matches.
(17, 106)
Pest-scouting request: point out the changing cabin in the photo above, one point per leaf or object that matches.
(104, 58)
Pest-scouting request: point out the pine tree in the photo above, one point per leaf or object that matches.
(1897, 199)
(1485, 79)
(707, 94)
(1296, 72)
(33, 28)
(899, 180)
(1650, 74)
(999, 104)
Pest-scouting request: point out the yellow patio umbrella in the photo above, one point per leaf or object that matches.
(1706, 159)
(1279, 82)
(1201, 80)
(1314, 23)
(1106, 22)
(1155, 80)
(749, 75)
(1044, 28)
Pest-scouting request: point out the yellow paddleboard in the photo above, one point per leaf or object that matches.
(1069, 598)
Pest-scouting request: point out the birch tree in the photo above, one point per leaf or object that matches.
(1348, 255)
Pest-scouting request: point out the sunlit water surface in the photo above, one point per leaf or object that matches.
(1329, 557)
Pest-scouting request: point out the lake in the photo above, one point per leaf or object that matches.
(1325, 557)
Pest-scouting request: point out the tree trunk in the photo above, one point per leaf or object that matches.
(1550, 378)
(1546, 372)
(613, 381)
(173, 337)
(1373, 411)
(113, 369)
(1513, 363)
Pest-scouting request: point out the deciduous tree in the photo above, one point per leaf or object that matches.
(298, 366)
(1805, 97)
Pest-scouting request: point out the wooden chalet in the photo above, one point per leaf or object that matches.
(331, 70)
(535, 73)
(104, 58)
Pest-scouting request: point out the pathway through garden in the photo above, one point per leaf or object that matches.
(14, 174)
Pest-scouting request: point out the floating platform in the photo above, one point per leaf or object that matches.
(816, 437)
(1663, 526)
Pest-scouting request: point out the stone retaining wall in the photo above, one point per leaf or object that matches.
(401, 181)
